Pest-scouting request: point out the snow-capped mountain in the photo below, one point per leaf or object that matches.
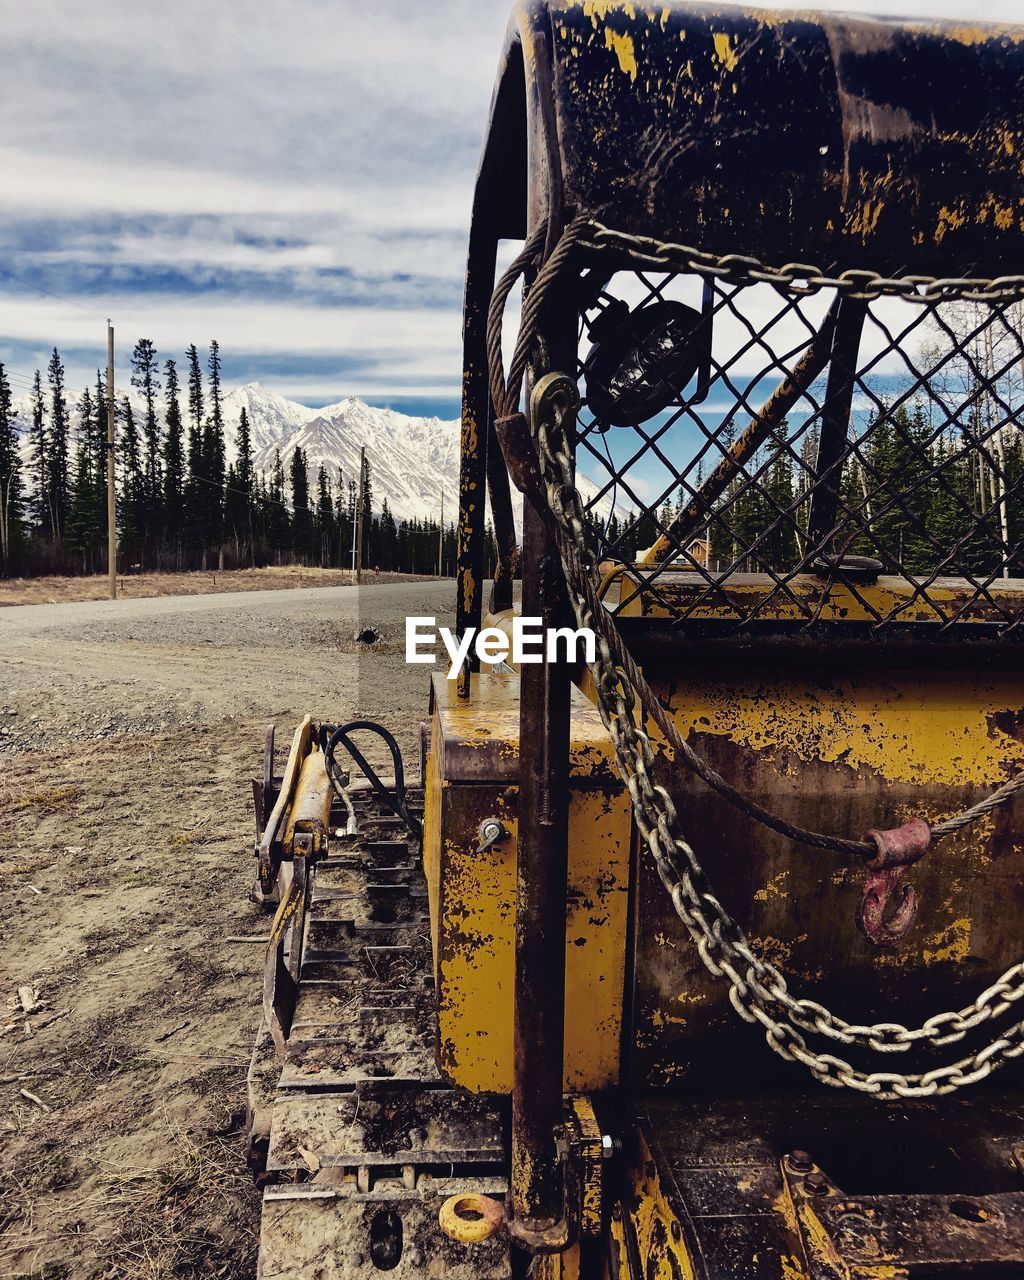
(412, 460)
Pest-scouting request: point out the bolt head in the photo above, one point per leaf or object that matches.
(800, 1162)
(816, 1184)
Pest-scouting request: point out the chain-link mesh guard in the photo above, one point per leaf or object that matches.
(904, 446)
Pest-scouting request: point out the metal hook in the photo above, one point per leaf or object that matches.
(888, 907)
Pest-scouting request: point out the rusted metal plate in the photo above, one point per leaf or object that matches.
(713, 1167)
(479, 735)
(681, 593)
(843, 753)
(654, 120)
(393, 1126)
(339, 1234)
(473, 894)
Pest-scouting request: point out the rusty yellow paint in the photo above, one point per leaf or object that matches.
(725, 51)
(659, 1239)
(865, 217)
(839, 751)
(807, 596)
(621, 44)
(939, 728)
(310, 809)
(556, 1266)
(472, 894)
(951, 943)
(598, 10)
(949, 220)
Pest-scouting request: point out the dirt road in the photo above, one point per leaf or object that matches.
(128, 734)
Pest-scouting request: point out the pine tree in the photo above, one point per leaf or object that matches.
(173, 464)
(898, 459)
(215, 455)
(196, 503)
(245, 478)
(11, 496)
(87, 512)
(301, 522)
(279, 530)
(39, 447)
(57, 452)
(236, 511)
(325, 526)
(132, 488)
(145, 379)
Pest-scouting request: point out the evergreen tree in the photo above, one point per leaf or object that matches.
(132, 488)
(11, 496)
(146, 380)
(87, 512)
(196, 503)
(236, 511)
(245, 478)
(325, 525)
(899, 461)
(301, 521)
(39, 448)
(279, 525)
(173, 465)
(57, 451)
(214, 455)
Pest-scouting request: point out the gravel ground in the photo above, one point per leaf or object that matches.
(73, 672)
(129, 731)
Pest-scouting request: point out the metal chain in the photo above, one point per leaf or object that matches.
(757, 990)
(794, 277)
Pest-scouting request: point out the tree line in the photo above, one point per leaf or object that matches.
(181, 502)
(917, 491)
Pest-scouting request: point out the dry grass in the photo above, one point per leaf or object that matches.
(44, 799)
(66, 590)
(190, 1218)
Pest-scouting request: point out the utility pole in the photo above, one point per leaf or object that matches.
(440, 541)
(111, 495)
(360, 512)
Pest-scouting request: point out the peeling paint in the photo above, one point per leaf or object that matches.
(725, 51)
(622, 45)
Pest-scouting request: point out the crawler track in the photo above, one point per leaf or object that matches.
(353, 1134)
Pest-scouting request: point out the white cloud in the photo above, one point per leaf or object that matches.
(290, 157)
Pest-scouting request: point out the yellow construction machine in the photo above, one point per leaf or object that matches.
(699, 959)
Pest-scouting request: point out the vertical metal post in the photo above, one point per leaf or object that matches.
(469, 565)
(541, 880)
(111, 492)
(835, 421)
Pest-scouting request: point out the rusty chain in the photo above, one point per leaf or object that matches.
(757, 989)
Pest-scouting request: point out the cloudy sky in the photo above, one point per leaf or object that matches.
(292, 178)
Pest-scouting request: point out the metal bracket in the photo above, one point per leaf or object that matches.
(862, 1237)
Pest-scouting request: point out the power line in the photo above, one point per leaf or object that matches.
(49, 292)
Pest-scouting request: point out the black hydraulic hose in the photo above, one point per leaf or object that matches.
(395, 801)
